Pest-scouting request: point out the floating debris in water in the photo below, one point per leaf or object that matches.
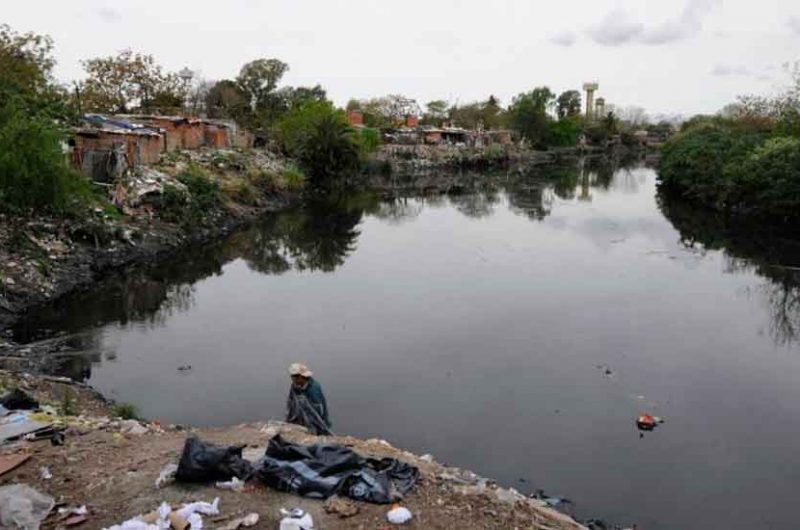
(647, 422)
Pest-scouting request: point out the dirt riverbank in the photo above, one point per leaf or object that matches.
(111, 466)
(157, 215)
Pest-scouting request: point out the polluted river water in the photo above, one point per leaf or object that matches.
(516, 329)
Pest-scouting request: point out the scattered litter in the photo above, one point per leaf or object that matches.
(19, 400)
(234, 484)
(45, 473)
(22, 507)
(157, 520)
(201, 508)
(184, 367)
(321, 470)
(646, 422)
(205, 462)
(67, 512)
(297, 519)
(9, 462)
(342, 507)
(427, 458)
(242, 522)
(75, 520)
(399, 515)
(132, 427)
(20, 424)
(552, 502)
(187, 517)
(167, 475)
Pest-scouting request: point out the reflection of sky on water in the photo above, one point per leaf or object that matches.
(470, 326)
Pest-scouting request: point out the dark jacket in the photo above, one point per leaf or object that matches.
(311, 393)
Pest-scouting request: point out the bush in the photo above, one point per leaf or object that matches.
(125, 411)
(369, 140)
(203, 191)
(320, 139)
(564, 133)
(768, 179)
(693, 162)
(293, 178)
(33, 170)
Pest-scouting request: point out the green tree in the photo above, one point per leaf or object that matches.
(120, 83)
(26, 73)
(568, 104)
(226, 99)
(318, 136)
(436, 112)
(565, 132)
(33, 171)
(259, 79)
(528, 115)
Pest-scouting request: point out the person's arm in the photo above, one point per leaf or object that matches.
(324, 402)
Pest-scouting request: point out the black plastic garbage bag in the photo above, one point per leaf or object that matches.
(322, 470)
(205, 462)
(18, 400)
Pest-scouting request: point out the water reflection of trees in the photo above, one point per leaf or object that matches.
(769, 252)
(319, 237)
(478, 203)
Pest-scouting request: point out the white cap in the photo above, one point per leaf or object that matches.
(300, 369)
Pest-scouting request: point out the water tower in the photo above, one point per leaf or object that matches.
(590, 89)
(600, 108)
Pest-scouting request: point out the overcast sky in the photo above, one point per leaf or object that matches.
(668, 56)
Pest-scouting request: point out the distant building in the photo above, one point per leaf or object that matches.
(355, 117)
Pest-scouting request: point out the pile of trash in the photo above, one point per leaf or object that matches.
(317, 471)
(142, 183)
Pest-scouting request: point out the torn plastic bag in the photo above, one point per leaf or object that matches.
(322, 470)
(22, 507)
(205, 462)
(18, 400)
(302, 412)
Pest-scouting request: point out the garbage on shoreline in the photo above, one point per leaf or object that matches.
(22, 507)
(399, 515)
(187, 516)
(316, 471)
(296, 519)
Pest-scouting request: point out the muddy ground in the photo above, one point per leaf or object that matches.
(113, 472)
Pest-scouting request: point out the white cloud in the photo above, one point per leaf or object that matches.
(108, 14)
(564, 38)
(616, 28)
(728, 70)
(794, 24)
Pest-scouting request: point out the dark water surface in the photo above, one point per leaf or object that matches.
(472, 326)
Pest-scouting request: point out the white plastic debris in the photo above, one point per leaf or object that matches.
(399, 515)
(297, 519)
(132, 427)
(22, 507)
(73, 511)
(242, 522)
(234, 485)
(202, 508)
(192, 513)
(45, 473)
(167, 475)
